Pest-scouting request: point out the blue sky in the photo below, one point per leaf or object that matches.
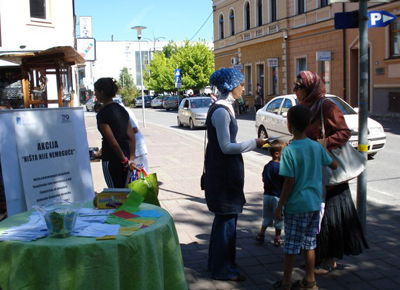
(173, 19)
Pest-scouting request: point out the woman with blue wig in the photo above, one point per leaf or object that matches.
(224, 174)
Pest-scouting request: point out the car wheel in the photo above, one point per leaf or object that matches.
(191, 124)
(179, 122)
(262, 133)
(167, 109)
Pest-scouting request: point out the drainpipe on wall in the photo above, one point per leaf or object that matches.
(285, 38)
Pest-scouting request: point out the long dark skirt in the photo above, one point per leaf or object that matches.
(341, 232)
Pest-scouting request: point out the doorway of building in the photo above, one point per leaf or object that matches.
(260, 80)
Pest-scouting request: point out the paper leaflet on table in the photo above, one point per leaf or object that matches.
(132, 203)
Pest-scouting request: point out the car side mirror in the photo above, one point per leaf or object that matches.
(284, 114)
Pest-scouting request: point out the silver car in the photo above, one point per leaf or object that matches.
(271, 121)
(193, 112)
(157, 102)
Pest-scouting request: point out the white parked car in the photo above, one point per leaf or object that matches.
(193, 111)
(271, 121)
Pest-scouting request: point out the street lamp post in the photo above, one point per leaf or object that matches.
(154, 42)
(139, 36)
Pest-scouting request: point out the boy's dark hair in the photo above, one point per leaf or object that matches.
(299, 117)
(276, 146)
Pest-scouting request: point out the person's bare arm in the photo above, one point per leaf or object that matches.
(286, 192)
(334, 163)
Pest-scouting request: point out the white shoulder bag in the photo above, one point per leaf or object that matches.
(351, 163)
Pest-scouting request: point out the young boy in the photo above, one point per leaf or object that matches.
(273, 184)
(301, 164)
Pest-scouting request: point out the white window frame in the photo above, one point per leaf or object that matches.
(296, 10)
(46, 21)
(245, 16)
(318, 3)
(256, 24)
(230, 22)
(296, 61)
(270, 11)
(247, 82)
(319, 72)
(270, 81)
(221, 34)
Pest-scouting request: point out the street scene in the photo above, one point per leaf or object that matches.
(224, 144)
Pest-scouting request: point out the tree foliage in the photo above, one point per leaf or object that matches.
(126, 87)
(195, 60)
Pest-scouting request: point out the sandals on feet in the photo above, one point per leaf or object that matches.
(279, 286)
(323, 270)
(260, 238)
(278, 243)
(304, 285)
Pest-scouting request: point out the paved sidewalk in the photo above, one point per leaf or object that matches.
(178, 164)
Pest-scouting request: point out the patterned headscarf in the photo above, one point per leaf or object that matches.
(315, 88)
(226, 79)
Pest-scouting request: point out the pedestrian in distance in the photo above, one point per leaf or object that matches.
(257, 101)
(224, 174)
(118, 144)
(301, 164)
(273, 184)
(341, 232)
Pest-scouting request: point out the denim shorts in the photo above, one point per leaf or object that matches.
(301, 232)
(269, 209)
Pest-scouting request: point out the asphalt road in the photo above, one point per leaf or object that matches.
(383, 174)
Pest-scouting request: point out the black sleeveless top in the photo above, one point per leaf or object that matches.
(224, 173)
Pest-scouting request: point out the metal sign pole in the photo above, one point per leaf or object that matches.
(363, 111)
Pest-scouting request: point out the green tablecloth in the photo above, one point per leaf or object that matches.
(150, 259)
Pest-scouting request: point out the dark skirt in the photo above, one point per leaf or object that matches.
(341, 232)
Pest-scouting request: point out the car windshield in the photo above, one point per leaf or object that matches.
(201, 103)
(345, 108)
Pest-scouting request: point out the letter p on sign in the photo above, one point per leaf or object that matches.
(375, 17)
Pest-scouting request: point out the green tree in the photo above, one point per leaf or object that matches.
(196, 62)
(127, 88)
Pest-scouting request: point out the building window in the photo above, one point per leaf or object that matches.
(259, 13)
(323, 3)
(38, 9)
(247, 16)
(232, 22)
(273, 13)
(395, 38)
(324, 69)
(301, 6)
(247, 77)
(301, 65)
(221, 26)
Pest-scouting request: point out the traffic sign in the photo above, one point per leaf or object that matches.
(178, 78)
(380, 19)
(347, 20)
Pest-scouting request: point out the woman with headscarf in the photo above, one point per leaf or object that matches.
(341, 232)
(224, 174)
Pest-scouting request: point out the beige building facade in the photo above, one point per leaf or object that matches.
(271, 41)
